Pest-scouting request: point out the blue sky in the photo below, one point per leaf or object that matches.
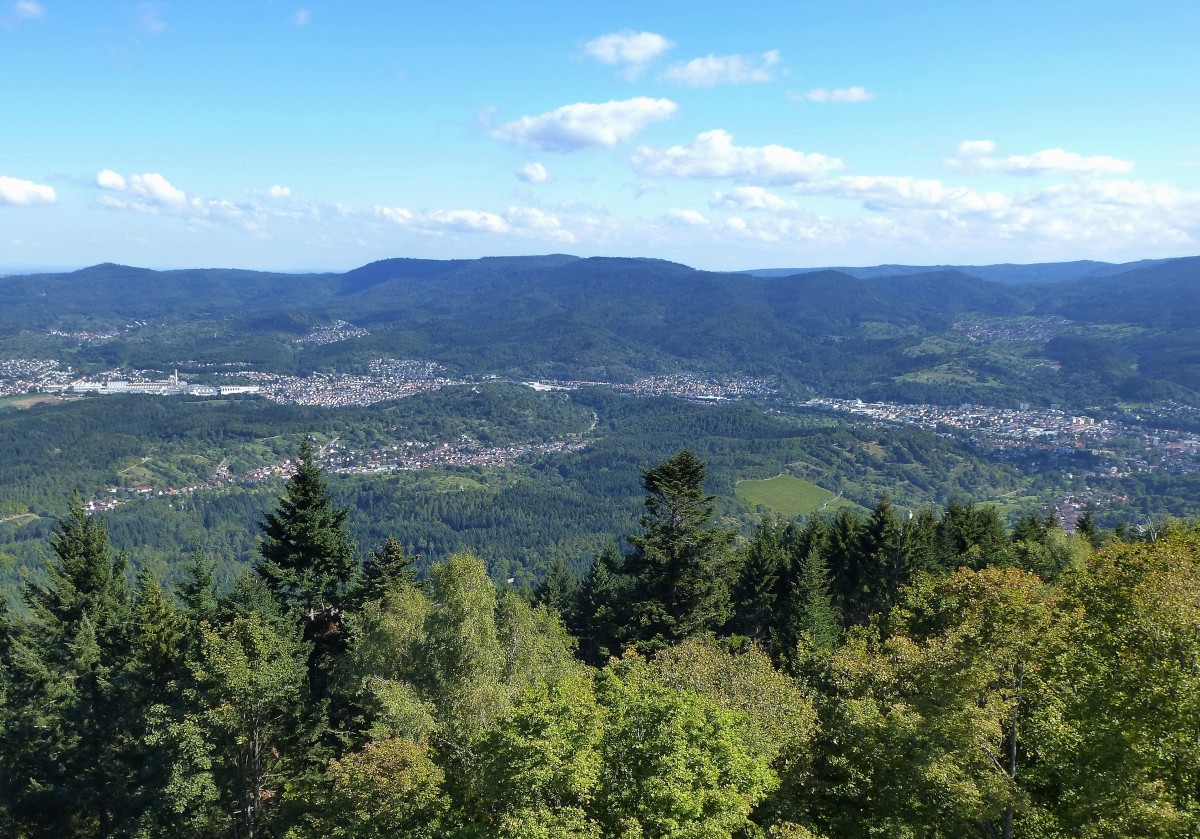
(327, 134)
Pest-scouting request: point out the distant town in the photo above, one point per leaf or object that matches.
(1078, 445)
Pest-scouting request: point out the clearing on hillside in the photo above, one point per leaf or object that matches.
(790, 496)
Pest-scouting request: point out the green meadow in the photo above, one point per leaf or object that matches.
(790, 496)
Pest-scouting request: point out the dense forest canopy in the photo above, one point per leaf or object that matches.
(841, 675)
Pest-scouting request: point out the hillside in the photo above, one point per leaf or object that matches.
(914, 336)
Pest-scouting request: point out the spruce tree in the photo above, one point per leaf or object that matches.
(762, 581)
(307, 564)
(384, 569)
(681, 564)
(73, 725)
(559, 590)
(601, 602)
(306, 556)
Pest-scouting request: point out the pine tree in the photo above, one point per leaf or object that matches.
(74, 715)
(385, 568)
(762, 581)
(307, 563)
(307, 558)
(681, 565)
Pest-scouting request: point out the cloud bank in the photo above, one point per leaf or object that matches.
(713, 155)
(978, 155)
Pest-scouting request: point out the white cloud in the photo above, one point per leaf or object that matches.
(688, 217)
(713, 70)
(520, 221)
(976, 148)
(750, 198)
(154, 188)
(629, 49)
(976, 155)
(108, 179)
(24, 10)
(533, 173)
(839, 94)
(153, 194)
(586, 124)
(25, 193)
(301, 17)
(713, 155)
(888, 192)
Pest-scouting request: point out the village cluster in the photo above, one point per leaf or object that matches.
(337, 457)
(1115, 448)
(1027, 428)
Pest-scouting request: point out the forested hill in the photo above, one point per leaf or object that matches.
(840, 676)
(1007, 273)
(620, 319)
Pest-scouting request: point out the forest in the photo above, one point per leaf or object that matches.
(932, 673)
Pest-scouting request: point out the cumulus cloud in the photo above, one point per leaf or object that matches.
(750, 198)
(301, 17)
(150, 187)
(839, 94)
(975, 148)
(533, 173)
(586, 124)
(520, 221)
(23, 193)
(108, 179)
(713, 155)
(153, 194)
(713, 70)
(630, 50)
(688, 217)
(887, 192)
(977, 155)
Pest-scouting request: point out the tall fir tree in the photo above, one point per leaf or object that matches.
(306, 556)
(763, 577)
(74, 715)
(681, 564)
(307, 561)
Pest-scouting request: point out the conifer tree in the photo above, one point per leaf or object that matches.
(681, 565)
(385, 568)
(762, 582)
(306, 556)
(307, 563)
(73, 713)
(598, 614)
(559, 589)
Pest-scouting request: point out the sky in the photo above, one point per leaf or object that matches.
(326, 134)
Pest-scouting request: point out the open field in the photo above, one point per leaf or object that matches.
(790, 496)
(27, 401)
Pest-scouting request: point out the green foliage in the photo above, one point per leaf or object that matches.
(674, 764)
(681, 566)
(308, 559)
(392, 789)
(878, 675)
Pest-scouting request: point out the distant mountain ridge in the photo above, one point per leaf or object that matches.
(1117, 330)
(1006, 273)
